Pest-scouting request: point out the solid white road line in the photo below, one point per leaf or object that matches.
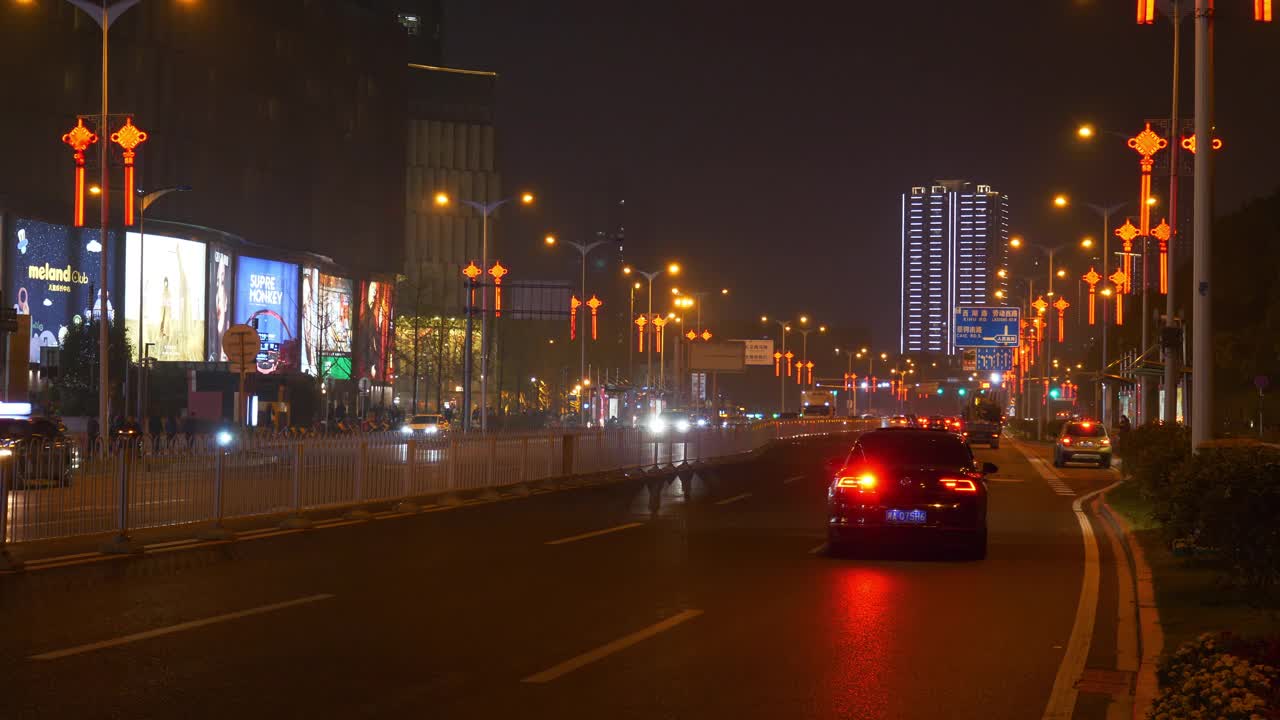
(594, 533)
(608, 649)
(733, 499)
(1062, 699)
(819, 550)
(1004, 479)
(158, 632)
(790, 480)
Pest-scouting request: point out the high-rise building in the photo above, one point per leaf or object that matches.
(955, 238)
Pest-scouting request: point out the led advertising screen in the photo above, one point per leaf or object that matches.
(326, 324)
(221, 283)
(375, 330)
(164, 289)
(52, 275)
(267, 296)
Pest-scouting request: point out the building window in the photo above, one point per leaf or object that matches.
(412, 24)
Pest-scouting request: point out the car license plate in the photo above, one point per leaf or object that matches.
(905, 517)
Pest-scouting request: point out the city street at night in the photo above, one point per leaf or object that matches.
(583, 604)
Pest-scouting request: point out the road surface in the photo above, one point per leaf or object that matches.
(585, 604)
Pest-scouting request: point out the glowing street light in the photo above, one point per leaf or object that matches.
(1060, 201)
(551, 240)
(1015, 241)
(673, 269)
(1085, 132)
(1086, 243)
(442, 199)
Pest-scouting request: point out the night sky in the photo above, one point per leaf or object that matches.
(768, 150)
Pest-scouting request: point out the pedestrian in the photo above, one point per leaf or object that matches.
(1124, 423)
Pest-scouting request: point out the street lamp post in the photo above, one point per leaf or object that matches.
(583, 249)
(670, 269)
(485, 209)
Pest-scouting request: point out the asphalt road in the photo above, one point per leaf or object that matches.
(578, 604)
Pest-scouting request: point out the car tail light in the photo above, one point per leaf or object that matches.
(864, 482)
(1106, 441)
(1066, 441)
(964, 485)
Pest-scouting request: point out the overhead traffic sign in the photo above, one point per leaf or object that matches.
(990, 327)
(994, 359)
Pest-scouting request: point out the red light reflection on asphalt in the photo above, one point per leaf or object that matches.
(863, 625)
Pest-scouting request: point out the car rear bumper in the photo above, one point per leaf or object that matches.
(942, 518)
(1084, 455)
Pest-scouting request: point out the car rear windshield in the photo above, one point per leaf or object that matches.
(1082, 430)
(426, 420)
(939, 450)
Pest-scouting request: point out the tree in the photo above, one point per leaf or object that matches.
(75, 388)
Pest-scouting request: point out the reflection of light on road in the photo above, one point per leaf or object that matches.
(863, 633)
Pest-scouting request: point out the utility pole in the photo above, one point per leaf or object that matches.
(1202, 306)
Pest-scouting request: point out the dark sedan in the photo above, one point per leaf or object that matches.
(905, 483)
(37, 452)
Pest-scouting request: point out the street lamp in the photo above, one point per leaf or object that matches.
(583, 249)
(443, 199)
(670, 269)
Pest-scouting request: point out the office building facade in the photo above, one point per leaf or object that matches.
(954, 240)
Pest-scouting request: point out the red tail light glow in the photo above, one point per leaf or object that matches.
(865, 482)
(1066, 441)
(1106, 441)
(964, 485)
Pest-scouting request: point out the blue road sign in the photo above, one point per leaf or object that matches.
(990, 327)
(995, 359)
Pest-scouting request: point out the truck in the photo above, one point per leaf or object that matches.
(983, 422)
(818, 403)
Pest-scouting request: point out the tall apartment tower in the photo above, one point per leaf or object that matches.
(955, 239)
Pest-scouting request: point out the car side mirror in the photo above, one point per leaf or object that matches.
(989, 468)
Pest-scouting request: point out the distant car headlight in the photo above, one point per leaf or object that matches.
(657, 425)
(702, 422)
(682, 426)
(6, 452)
(406, 430)
(224, 438)
(431, 429)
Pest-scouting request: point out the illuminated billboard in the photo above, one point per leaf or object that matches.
(221, 282)
(326, 324)
(267, 297)
(52, 275)
(374, 351)
(164, 288)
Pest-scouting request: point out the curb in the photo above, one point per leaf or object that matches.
(1150, 632)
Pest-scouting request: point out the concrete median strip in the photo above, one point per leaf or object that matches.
(608, 649)
(180, 627)
(594, 533)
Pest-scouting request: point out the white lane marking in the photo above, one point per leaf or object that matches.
(734, 499)
(1062, 699)
(819, 550)
(158, 632)
(790, 480)
(608, 649)
(594, 533)
(1048, 472)
(1004, 479)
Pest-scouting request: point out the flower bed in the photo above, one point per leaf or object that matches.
(1219, 676)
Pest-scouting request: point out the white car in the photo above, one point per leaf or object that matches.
(425, 425)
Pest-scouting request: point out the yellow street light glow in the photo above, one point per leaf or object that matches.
(764, 318)
(1105, 291)
(1062, 273)
(671, 316)
(551, 240)
(862, 350)
(1015, 241)
(586, 382)
(675, 291)
(673, 268)
(884, 356)
(724, 291)
(626, 269)
(95, 190)
(1152, 200)
(1085, 132)
(822, 328)
(999, 294)
(1086, 243)
(786, 328)
(526, 198)
(552, 341)
(1060, 201)
(804, 319)
(442, 199)
(637, 285)
(1002, 273)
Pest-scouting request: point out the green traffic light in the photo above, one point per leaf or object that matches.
(941, 391)
(1054, 393)
(963, 392)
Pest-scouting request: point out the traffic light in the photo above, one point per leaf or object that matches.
(963, 391)
(941, 391)
(1055, 393)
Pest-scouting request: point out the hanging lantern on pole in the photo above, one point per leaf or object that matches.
(471, 271)
(1119, 279)
(594, 303)
(640, 323)
(1092, 278)
(1061, 306)
(788, 356)
(809, 366)
(1162, 233)
(128, 137)
(1127, 233)
(79, 138)
(574, 304)
(706, 336)
(777, 364)
(659, 322)
(498, 272)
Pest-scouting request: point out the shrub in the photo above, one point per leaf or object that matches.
(1202, 679)
(1228, 499)
(1150, 456)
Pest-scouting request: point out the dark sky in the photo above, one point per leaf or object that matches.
(768, 150)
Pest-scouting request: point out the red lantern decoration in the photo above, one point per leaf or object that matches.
(1120, 279)
(594, 303)
(1092, 278)
(472, 271)
(1262, 10)
(1061, 306)
(788, 356)
(706, 336)
(1127, 233)
(1162, 233)
(809, 366)
(128, 137)
(1189, 144)
(79, 138)
(640, 323)
(574, 304)
(777, 364)
(658, 323)
(1146, 12)
(498, 272)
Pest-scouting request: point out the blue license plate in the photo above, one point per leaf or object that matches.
(905, 517)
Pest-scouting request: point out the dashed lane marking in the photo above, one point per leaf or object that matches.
(594, 533)
(733, 499)
(608, 649)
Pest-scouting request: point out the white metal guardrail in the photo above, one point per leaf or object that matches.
(64, 491)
